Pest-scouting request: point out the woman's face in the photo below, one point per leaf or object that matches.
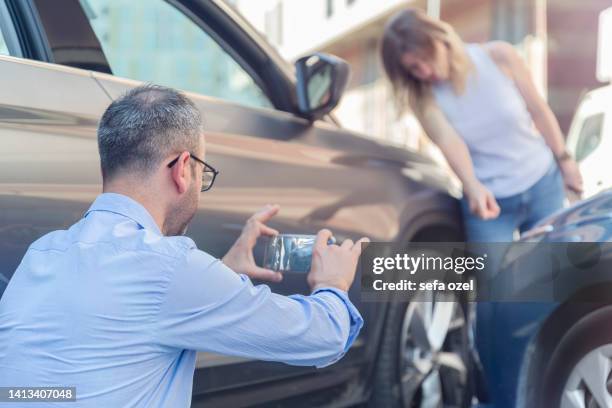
(428, 68)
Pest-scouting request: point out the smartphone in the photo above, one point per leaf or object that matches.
(290, 252)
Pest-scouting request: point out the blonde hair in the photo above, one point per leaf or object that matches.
(413, 30)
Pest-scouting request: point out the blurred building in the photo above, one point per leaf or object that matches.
(556, 37)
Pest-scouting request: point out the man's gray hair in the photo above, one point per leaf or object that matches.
(145, 125)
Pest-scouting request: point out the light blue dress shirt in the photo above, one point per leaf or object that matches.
(116, 309)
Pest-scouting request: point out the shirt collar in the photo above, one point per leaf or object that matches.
(126, 206)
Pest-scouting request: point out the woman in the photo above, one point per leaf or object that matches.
(478, 104)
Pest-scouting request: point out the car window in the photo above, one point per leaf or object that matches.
(590, 135)
(8, 38)
(155, 42)
(3, 47)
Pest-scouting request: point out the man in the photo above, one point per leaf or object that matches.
(118, 304)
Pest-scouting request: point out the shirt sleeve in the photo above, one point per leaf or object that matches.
(209, 307)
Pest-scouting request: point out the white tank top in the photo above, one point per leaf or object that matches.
(508, 153)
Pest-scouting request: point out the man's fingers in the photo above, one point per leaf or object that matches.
(322, 237)
(356, 250)
(265, 230)
(265, 274)
(266, 213)
(347, 244)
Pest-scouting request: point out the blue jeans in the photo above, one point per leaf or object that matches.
(519, 212)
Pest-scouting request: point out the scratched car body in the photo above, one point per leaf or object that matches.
(59, 77)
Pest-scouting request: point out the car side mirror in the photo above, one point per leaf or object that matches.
(321, 80)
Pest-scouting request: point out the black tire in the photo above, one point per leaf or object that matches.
(386, 387)
(589, 333)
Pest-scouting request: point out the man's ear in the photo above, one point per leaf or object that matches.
(181, 173)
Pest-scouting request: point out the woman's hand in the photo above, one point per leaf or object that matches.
(240, 256)
(571, 175)
(481, 201)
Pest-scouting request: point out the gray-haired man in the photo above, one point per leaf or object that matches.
(118, 304)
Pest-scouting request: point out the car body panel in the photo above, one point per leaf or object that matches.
(49, 165)
(321, 175)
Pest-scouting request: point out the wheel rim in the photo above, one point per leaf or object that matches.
(428, 323)
(589, 384)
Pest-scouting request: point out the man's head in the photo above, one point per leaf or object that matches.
(139, 134)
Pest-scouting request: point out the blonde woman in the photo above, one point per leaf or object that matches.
(478, 104)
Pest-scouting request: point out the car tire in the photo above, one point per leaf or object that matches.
(394, 363)
(580, 368)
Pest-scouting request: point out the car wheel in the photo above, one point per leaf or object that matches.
(424, 359)
(580, 372)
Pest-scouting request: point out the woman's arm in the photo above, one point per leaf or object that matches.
(513, 66)
(481, 200)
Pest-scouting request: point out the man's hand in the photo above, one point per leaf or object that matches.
(481, 201)
(333, 265)
(240, 256)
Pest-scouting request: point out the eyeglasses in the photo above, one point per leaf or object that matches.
(208, 176)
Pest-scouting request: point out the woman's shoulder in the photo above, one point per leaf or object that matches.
(503, 54)
(500, 51)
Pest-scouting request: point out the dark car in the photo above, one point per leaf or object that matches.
(271, 134)
(549, 342)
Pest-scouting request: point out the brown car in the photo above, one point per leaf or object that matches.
(269, 131)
